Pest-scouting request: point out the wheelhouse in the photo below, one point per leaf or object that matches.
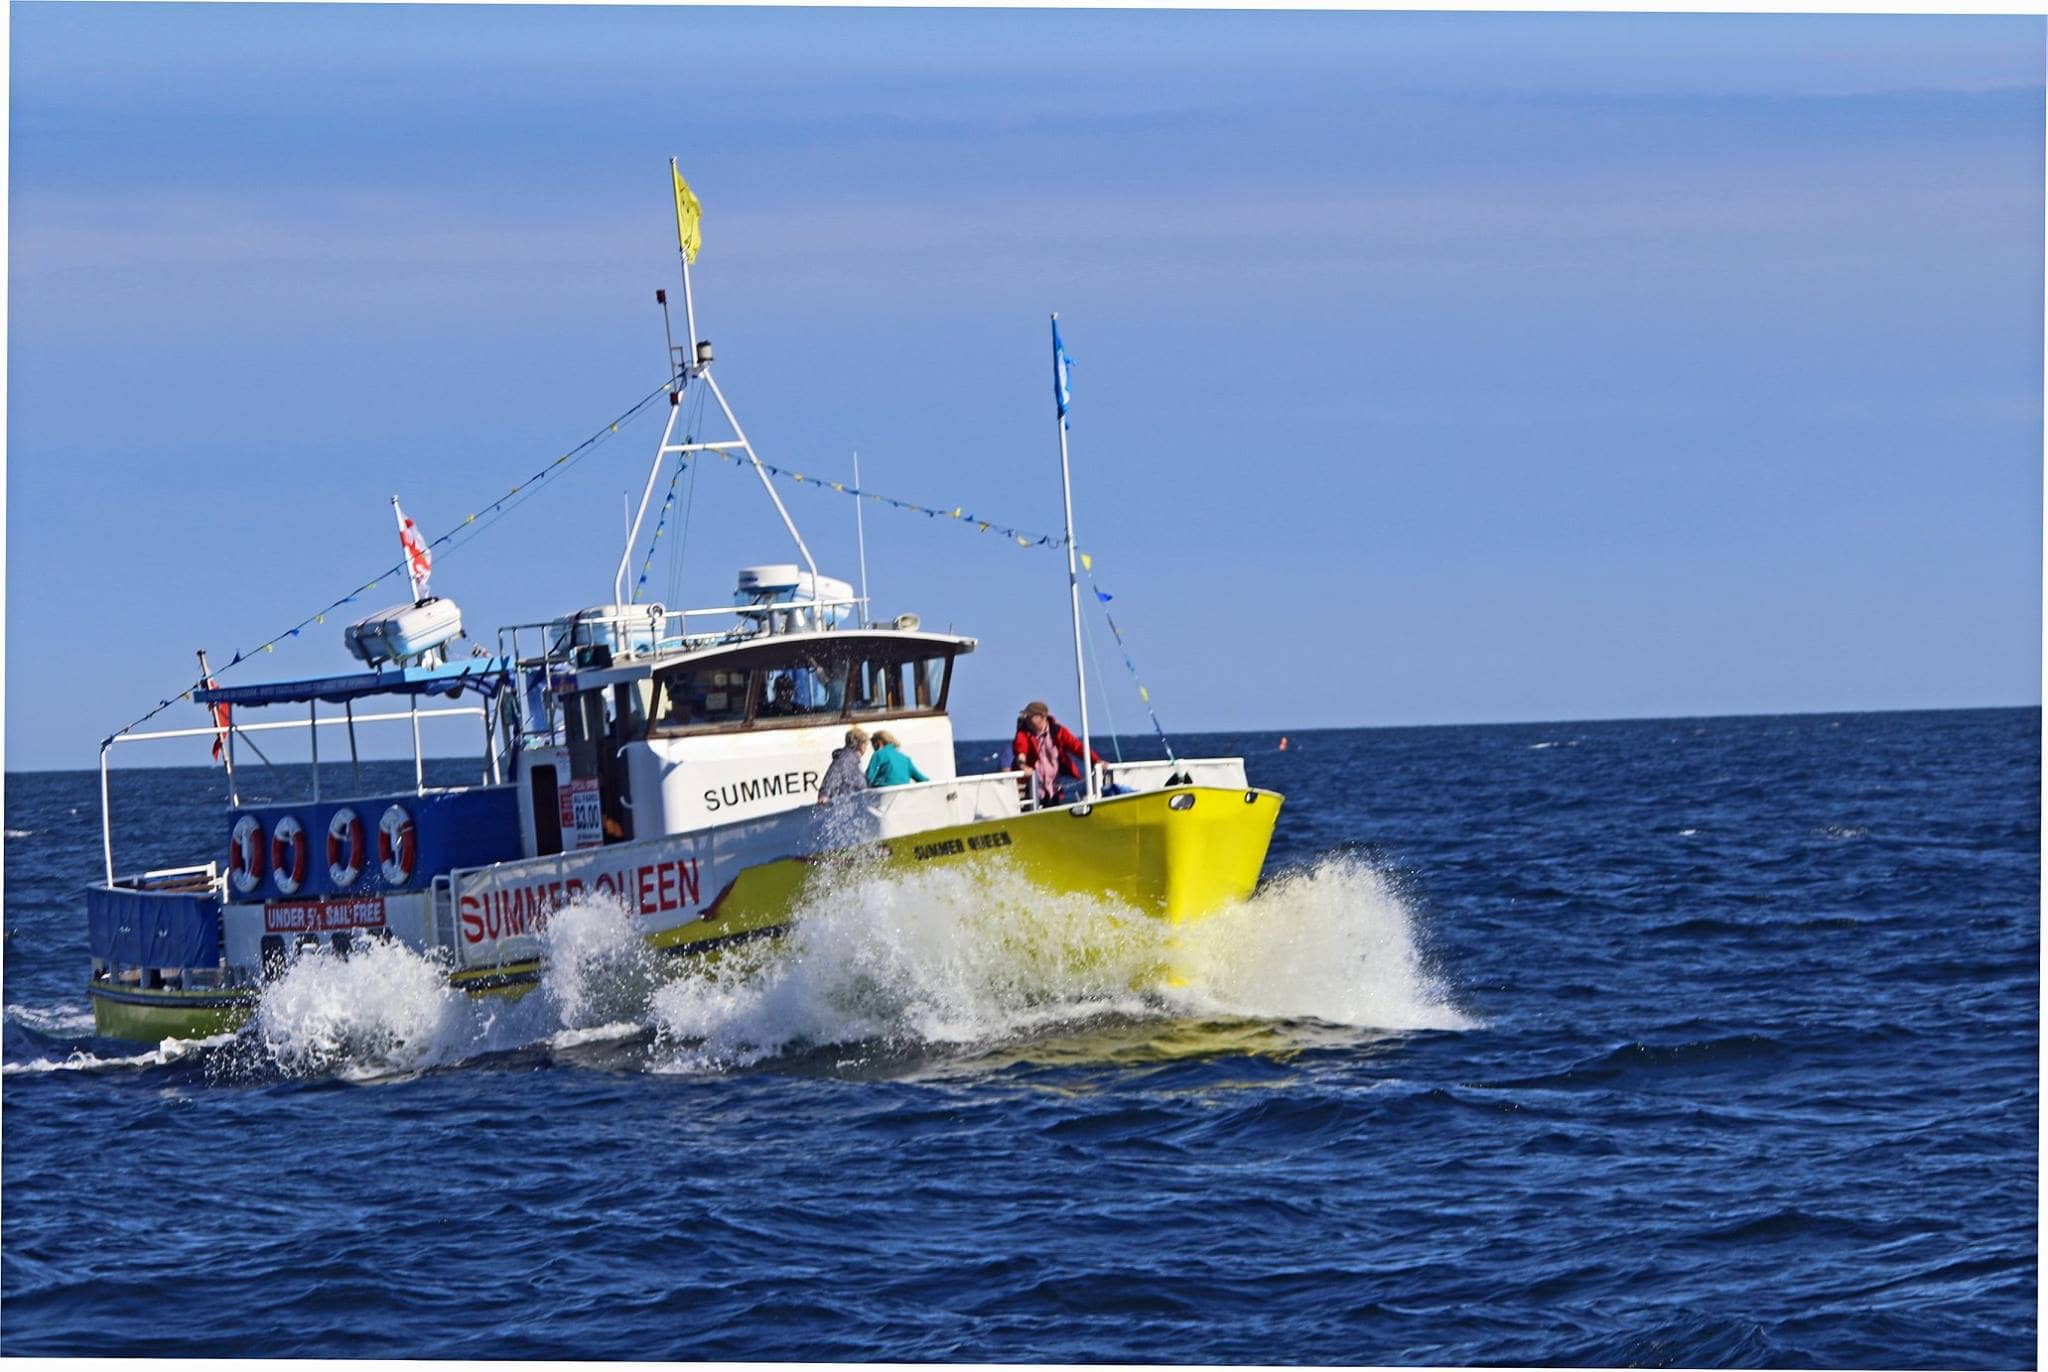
(666, 740)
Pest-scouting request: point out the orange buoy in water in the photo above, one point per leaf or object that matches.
(1283, 743)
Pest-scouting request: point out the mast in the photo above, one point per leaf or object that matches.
(698, 367)
(687, 212)
(1059, 391)
(860, 534)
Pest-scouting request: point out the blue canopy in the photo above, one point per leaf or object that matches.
(153, 928)
(480, 674)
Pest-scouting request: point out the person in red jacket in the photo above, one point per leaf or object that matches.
(1046, 748)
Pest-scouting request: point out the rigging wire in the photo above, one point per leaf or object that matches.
(1101, 694)
(679, 549)
(668, 502)
(495, 511)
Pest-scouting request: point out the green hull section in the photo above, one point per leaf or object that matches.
(153, 1016)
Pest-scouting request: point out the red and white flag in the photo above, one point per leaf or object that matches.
(419, 559)
(220, 722)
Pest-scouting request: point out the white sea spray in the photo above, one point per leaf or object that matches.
(979, 956)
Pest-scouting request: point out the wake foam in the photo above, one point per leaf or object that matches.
(953, 956)
(382, 1008)
(386, 1009)
(1334, 943)
(963, 960)
(981, 957)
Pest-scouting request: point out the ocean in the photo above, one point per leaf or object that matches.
(1707, 1042)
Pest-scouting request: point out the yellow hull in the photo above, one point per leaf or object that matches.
(1175, 855)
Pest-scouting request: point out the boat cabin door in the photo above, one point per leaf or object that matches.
(600, 723)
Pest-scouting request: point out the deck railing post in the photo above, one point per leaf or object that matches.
(106, 812)
(354, 763)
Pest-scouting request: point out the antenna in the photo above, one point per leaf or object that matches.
(676, 366)
(860, 533)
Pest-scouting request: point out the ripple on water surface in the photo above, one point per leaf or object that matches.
(1701, 1042)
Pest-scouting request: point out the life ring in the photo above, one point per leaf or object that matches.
(288, 855)
(398, 849)
(347, 848)
(245, 854)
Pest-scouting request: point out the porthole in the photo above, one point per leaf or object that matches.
(1082, 811)
(1184, 801)
(1251, 797)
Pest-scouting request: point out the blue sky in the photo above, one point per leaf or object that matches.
(1431, 367)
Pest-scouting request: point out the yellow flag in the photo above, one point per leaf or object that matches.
(688, 213)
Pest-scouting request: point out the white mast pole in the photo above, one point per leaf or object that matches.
(661, 450)
(1073, 573)
(860, 533)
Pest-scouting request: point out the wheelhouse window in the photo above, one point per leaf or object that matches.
(930, 674)
(811, 687)
(877, 687)
(696, 697)
(800, 686)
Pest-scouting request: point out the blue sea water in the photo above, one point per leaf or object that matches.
(1708, 1042)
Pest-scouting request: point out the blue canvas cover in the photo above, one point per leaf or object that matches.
(153, 928)
(480, 674)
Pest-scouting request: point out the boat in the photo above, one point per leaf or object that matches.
(668, 761)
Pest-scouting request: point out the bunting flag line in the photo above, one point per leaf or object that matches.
(418, 554)
(1103, 598)
(1024, 538)
(667, 503)
(488, 514)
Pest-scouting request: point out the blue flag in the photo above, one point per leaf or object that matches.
(1060, 363)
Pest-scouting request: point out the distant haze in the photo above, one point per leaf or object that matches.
(1429, 367)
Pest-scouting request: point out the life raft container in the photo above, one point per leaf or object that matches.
(288, 855)
(348, 847)
(398, 849)
(246, 854)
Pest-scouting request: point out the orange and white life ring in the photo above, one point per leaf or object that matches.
(288, 855)
(398, 848)
(246, 853)
(348, 848)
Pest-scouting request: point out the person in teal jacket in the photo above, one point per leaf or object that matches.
(891, 766)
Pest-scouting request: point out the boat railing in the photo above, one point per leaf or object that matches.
(203, 876)
(312, 724)
(442, 897)
(545, 649)
(1156, 774)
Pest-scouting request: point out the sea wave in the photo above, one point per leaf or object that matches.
(954, 962)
